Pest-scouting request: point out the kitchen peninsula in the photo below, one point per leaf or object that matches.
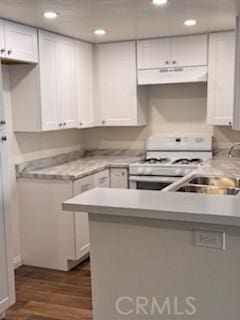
(145, 244)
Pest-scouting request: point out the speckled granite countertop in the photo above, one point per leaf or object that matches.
(216, 167)
(79, 168)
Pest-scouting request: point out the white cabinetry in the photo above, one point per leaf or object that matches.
(7, 291)
(178, 51)
(44, 97)
(221, 78)
(2, 40)
(84, 64)
(18, 42)
(50, 237)
(119, 178)
(81, 226)
(120, 102)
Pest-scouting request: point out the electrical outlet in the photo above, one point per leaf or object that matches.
(210, 239)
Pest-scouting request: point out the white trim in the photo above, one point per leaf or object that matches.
(17, 262)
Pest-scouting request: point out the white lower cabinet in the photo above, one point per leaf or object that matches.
(221, 78)
(119, 178)
(81, 227)
(50, 237)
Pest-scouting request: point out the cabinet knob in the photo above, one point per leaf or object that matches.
(3, 51)
(174, 62)
(64, 124)
(9, 52)
(2, 123)
(103, 122)
(80, 123)
(4, 138)
(230, 123)
(167, 62)
(60, 124)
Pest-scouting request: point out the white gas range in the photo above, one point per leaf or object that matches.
(168, 158)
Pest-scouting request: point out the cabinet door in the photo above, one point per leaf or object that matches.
(117, 83)
(2, 40)
(101, 179)
(50, 103)
(153, 54)
(20, 42)
(4, 295)
(84, 64)
(81, 219)
(67, 81)
(221, 78)
(189, 51)
(119, 178)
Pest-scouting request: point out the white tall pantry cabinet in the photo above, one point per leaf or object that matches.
(120, 102)
(221, 78)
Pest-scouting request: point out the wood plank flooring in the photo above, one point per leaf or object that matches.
(44, 294)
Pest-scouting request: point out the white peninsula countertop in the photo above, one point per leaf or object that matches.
(172, 206)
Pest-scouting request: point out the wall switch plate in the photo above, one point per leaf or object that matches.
(210, 239)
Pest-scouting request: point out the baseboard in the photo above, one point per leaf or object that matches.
(17, 262)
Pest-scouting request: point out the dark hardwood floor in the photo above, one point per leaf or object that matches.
(52, 295)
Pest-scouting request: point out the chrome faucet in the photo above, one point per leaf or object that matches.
(232, 148)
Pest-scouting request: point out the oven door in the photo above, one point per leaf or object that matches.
(150, 182)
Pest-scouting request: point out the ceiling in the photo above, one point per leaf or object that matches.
(123, 19)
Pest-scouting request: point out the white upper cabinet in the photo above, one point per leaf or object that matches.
(189, 51)
(66, 65)
(18, 42)
(84, 65)
(154, 53)
(50, 102)
(49, 88)
(2, 40)
(221, 78)
(119, 101)
(168, 52)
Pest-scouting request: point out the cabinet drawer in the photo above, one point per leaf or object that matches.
(119, 178)
(101, 179)
(83, 185)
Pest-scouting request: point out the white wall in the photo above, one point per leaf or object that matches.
(28, 146)
(180, 108)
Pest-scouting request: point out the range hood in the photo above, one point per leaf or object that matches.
(172, 75)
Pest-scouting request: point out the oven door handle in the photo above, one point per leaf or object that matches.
(153, 179)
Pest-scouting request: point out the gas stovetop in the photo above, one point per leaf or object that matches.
(164, 161)
(171, 155)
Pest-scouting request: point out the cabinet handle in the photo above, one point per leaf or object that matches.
(103, 179)
(123, 173)
(9, 52)
(4, 138)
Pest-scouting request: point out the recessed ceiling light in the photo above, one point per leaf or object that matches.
(50, 15)
(190, 23)
(100, 32)
(159, 2)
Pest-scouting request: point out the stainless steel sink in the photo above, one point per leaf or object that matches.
(225, 182)
(208, 190)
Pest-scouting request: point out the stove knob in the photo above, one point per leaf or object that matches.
(140, 171)
(148, 171)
